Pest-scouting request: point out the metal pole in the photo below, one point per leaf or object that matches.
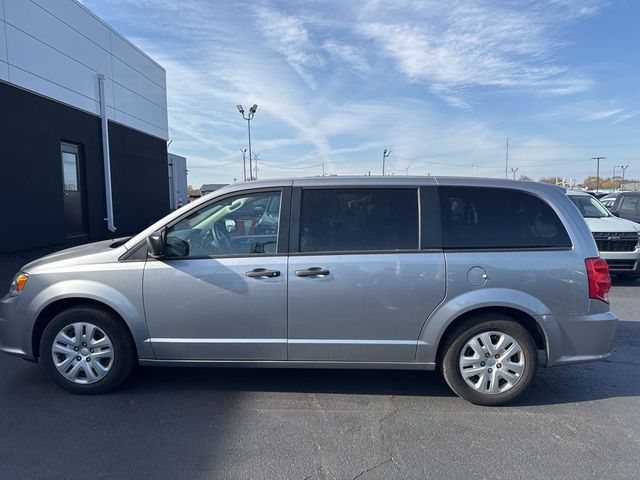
(597, 159)
(255, 164)
(249, 128)
(385, 154)
(506, 161)
(624, 169)
(106, 156)
(244, 163)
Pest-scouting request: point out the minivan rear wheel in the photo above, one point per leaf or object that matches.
(490, 359)
(87, 350)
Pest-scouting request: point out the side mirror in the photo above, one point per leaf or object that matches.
(155, 244)
(230, 225)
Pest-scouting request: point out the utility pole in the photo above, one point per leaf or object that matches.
(474, 169)
(385, 155)
(624, 169)
(506, 161)
(248, 118)
(244, 163)
(323, 169)
(255, 165)
(597, 159)
(514, 170)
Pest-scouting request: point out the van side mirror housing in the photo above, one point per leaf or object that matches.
(156, 244)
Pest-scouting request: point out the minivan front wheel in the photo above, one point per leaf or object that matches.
(87, 350)
(489, 359)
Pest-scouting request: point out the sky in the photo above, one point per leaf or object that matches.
(442, 84)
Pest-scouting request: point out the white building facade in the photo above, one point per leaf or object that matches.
(83, 120)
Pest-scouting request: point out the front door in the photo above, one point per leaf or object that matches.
(220, 292)
(72, 190)
(360, 288)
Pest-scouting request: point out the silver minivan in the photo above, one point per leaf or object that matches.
(482, 279)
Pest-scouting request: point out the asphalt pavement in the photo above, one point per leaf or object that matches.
(576, 422)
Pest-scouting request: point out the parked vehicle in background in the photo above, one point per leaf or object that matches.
(627, 205)
(618, 240)
(482, 279)
(611, 195)
(597, 195)
(608, 202)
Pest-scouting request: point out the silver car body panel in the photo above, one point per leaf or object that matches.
(208, 309)
(377, 310)
(371, 307)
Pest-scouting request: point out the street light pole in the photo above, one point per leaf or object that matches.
(506, 160)
(514, 170)
(248, 118)
(255, 164)
(597, 159)
(624, 169)
(244, 163)
(385, 154)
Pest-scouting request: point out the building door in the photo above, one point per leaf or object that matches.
(73, 191)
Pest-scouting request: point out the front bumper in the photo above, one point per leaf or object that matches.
(623, 261)
(579, 338)
(13, 337)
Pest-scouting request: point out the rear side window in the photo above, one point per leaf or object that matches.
(629, 204)
(358, 219)
(481, 218)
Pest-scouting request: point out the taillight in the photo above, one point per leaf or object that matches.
(598, 278)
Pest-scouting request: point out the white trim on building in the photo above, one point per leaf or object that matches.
(57, 48)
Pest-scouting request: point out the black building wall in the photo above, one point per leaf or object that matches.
(31, 197)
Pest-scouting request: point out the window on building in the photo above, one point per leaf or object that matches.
(358, 219)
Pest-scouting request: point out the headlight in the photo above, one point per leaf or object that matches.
(18, 283)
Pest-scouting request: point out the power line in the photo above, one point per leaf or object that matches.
(292, 168)
(213, 166)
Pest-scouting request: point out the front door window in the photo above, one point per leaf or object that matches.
(241, 225)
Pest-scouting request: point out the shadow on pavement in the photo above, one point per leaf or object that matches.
(570, 384)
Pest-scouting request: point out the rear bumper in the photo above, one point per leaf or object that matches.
(579, 338)
(12, 334)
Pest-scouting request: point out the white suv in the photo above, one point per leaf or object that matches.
(618, 239)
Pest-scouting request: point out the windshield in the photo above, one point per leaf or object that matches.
(589, 206)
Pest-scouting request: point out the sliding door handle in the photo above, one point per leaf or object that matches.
(313, 272)
(262, 272)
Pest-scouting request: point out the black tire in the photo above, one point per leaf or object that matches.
(124, 351)
(456, 340)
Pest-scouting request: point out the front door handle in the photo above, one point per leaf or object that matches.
(312, 272)
(262, 272)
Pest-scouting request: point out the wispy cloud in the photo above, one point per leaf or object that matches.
(454, 46)
(337, 82)
(288, 35)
